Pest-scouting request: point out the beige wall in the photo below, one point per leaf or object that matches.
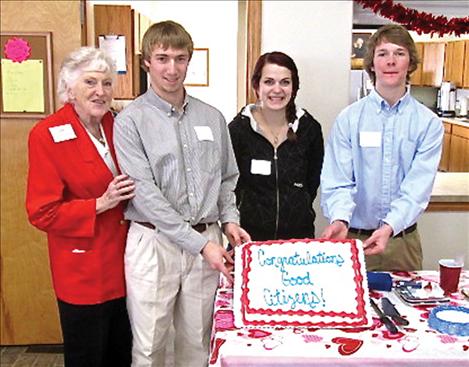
(316, 34)
(28, 308)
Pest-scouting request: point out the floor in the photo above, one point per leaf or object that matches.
(32, 356)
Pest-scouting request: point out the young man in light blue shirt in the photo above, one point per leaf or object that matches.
(381, 159)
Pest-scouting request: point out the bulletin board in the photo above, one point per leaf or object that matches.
(198, 71)
(26, 81)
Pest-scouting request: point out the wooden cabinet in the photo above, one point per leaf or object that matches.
(455, 154)
(433, 63)
(416, 77)
(454, 62)
(120, 20)
(444, 162)
(466, 66)
(459, 149)
(442, 61)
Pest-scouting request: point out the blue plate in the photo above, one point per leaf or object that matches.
(438, 322)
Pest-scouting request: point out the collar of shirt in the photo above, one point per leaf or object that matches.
(383, 106)
(247, 111)
(163, 105)
(102, 148)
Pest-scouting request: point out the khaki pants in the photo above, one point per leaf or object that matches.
(165, 283)
(401, 254)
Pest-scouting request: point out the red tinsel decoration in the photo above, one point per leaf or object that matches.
(417, 21)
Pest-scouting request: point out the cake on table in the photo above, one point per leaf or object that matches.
(301, 283)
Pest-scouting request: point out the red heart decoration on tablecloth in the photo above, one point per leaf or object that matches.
(218, 343)
(465, 348)
(424, 307)
(388, 335)
(257, 334)
(347, 346)
(327, 346)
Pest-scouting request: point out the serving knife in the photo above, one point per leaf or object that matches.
(391, 311)
(385, 320)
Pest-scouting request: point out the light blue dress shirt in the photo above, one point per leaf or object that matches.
(380, 163)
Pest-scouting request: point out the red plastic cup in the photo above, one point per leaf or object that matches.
(450, 271)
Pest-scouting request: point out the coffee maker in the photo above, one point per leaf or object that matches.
(446, 104)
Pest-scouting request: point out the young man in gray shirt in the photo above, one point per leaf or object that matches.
(178, 151)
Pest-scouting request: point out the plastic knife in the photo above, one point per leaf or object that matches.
(391, 311)
(385, 320)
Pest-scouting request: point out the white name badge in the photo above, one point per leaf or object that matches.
(260, 167)
(370, 139)
(203, 133)
(62, 133)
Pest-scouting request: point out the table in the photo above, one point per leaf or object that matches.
(414, 345)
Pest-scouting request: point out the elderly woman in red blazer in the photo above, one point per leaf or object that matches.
(76, 194)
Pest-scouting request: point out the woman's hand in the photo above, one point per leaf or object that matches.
(119, 189)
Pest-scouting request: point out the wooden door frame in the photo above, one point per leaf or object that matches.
(249, 47)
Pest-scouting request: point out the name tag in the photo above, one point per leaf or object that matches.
(62, 133)
(203, 133)
(260, 167)
(371, 139)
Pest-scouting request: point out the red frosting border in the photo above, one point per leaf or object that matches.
(359, 315)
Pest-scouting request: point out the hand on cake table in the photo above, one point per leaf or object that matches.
(377, 242)
(218, 258)
(235, 234)
(337, 230)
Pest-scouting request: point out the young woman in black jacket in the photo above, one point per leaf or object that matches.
(279, 150)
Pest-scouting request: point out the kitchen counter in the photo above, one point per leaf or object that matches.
(461, 121)
(450, 191)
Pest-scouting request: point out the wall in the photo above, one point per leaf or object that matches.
(444, 235)
(213, 25)
(317, 35)
(28, 306)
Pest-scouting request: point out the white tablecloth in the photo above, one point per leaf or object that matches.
(414, 345)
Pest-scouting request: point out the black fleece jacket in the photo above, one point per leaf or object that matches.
(278, 205)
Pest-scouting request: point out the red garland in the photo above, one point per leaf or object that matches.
(414, 20)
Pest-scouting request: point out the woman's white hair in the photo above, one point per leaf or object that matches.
(78, 61)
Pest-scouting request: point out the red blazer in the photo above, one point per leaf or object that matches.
(86, 250)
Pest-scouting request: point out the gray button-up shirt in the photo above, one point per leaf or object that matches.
(182, 163)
